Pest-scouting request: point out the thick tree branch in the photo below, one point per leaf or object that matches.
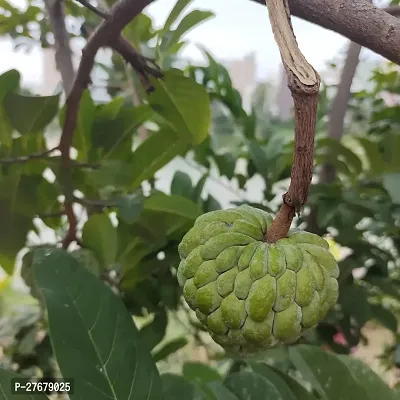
(55, 9)
(303, 82)
(357, 20)
(121, 14)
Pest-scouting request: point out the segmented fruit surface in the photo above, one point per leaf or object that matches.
(250, 294)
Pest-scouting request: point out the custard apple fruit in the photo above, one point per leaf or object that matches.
(250, 294)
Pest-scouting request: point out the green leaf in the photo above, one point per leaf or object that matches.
(130, 207)
(38, 112)
(259, 157)
(183, 104)
(180, 5)
(188, 22)
(153, 332)
(264, 370)
(176, 387)
(337, 149)
(9, 81)
(176, 205)
(372, 385)
(93, 335)
(374, 156)
(219, 391)
(198, 190)
(5, 388)
(298, 390)
(169, 348)
(329, 377)
(100, 236)
(181, 184)
(391, 182)
(248, 385)
(156, 151)
(113, 173)
(194, 371)
(82, 135)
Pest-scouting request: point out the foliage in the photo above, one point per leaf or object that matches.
(129, 229)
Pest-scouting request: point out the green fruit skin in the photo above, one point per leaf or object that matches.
(251, 295)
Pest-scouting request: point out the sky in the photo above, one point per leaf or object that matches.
(239, 27)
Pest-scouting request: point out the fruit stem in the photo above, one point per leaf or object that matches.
(281, 224)
(303, 82)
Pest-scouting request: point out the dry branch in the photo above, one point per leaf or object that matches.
(303, 82)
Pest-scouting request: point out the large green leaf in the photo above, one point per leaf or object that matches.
(93, 335)
(374, 387)
(329, 377)
(183, 104)
(29, 114)
(248, 385)
(156, 151)
(6, 377)
(100, 236)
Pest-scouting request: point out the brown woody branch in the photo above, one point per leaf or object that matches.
(303, 82)
(121, 14)
(358, 20)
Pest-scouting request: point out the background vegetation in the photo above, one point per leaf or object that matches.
(122, 257)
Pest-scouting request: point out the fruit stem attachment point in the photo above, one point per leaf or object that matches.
(303, 82)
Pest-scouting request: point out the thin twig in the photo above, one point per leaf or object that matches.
(121, 14)
(94, 9)
(303, 82)
(24, 159)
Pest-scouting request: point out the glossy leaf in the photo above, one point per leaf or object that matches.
(183, 104)
(93, 335)
(100, 236)
(38, 112)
